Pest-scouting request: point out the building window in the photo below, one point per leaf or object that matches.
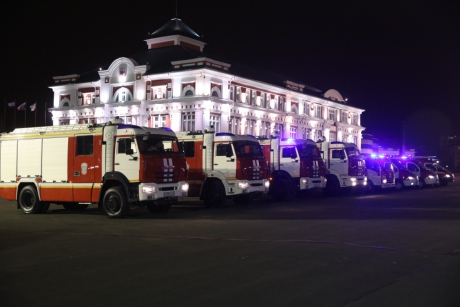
(235, 123)
(354, 119)
(332, 137)
(343, 117)
(355, 140)
(238, 94)
(267, 100)
(159, 121)
(88, 99)
(232, 93)
(282, 105)
(63, 122)
(253, 98)
(294, 109)
(332, 114)
(251, 124)
(188, 122)
(159, 92)
(214, 121)
(318, 134)
(293, 132)
(318, 110)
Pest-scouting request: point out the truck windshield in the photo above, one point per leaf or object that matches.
(306, 150)
(352, 151)
(156, 144)
(247, 149)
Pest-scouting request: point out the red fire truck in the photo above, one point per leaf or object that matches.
(295, 166)
(224, 165)
(345, 166)
(112, 165)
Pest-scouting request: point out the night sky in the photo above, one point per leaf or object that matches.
(398, 60)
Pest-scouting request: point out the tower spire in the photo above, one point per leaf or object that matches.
(176, 8)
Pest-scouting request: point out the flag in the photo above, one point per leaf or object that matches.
(11, 104)
(33, 106)
(22, 107)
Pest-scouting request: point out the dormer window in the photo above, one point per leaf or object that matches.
(88, 99)
(159, 92)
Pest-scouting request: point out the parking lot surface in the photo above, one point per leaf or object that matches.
(398, 248)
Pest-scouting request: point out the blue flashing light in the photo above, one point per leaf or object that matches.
(290, 139)
(373, 155)
(381, 156)
(403, 157)
(167, 129)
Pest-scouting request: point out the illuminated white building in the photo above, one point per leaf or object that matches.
(174, 83)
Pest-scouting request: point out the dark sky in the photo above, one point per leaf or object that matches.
(398, 60)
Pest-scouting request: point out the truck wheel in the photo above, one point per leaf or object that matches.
(421, 183)
(282, 188)
(332, 187)
(243, 199)
(214, 194)
(115, 204)
(370, 188)
(28, 200)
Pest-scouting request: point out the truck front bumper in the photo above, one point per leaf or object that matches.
(154, 191)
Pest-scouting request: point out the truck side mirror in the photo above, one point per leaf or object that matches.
(129, 151)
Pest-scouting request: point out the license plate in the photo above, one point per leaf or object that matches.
(170, 193)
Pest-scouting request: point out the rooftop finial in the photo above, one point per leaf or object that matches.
(176, 8)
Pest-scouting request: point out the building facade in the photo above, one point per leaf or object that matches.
(175, 84)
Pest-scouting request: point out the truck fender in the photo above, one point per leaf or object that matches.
(214, 175)
(27, 181)
(111, 179)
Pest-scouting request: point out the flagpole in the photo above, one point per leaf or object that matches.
(25, 114)
(46, 105)
(14, 123)
(36, 111)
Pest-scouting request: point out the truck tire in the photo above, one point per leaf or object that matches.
(115, 203)
(214, 194)
(332, 187)
(399, 185)
(281, 190)
(370, 187)
(421, 184)
(28, 200)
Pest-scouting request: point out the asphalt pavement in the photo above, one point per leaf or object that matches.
(387, 249)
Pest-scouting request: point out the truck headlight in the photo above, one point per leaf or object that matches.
(148, 189)
(410, 178)
(305, 181)
(185, 187)
(430, 177)
(384, 181)
(267, 184)
(243, 185)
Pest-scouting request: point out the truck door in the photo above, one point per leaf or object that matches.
(83, 168)
(338, 160)
(289, 161)
(414, 169)
(125, 162)
(225, 160)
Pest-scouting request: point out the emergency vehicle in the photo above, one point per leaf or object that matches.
(432, 163)
(426, 177)
(379, 172)
(403, 178)
(78, 165)
(295, 166)
(224, 165)
(345, 166)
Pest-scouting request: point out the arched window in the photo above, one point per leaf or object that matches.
(215, 92)
(65, 104)
(122, 95)
(188, 91)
